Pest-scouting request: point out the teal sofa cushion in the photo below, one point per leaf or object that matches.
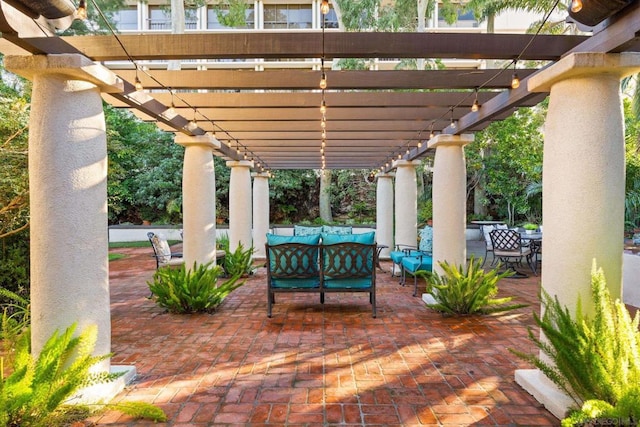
(359, 283)
(305, 283)
(304, 230)
(310, 239)
(366, 238)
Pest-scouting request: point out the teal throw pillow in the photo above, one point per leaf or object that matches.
(426, 239)
(337, 229)
(303, 230)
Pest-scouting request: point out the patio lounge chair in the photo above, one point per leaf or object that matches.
(420, 259)
(162, 252)
(404, 250)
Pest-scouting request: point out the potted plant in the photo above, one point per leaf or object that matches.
(530, 227)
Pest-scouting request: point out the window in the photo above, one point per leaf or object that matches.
(160, 18)
(331, 19)
(287, 16)
(125, 19)
(465, 20)
(213, 23)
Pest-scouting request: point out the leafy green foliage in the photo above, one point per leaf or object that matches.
(507, 155)
(190, 291)
(468, 291)
(238, 262)
(36, 390)
(625, 412)
(591, 359)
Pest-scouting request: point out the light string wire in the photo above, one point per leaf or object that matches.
(492, 78)
(173, 93)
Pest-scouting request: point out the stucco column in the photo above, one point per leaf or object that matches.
(198, 199)
(449, 200)
(406, 202)
(583, 187)
(384, 212)
(260, 213)
(240, 204)
(68, 196)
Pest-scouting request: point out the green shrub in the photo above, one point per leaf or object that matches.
(190, 291)
(35, 392)
(238, 262)
(222, 242)
(14, 264)
(15, 320)
(595, 361)
(468, 291)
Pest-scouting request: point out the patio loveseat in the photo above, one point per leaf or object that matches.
(321, 263)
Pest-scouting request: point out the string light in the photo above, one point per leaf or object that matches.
(515, 80)
(576, 6)
(476, 106)
(323, 107)
(453, 123)
(324, 134)
(323, 81)
(81, 11)
(324, 7)
(137, 83)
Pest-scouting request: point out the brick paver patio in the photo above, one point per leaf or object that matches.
(314, 365)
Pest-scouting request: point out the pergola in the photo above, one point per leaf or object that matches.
(273, 117)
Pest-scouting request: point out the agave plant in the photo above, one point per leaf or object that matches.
(468, 290)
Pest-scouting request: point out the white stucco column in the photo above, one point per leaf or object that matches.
(406, 202)
(449, 200)
(240, 204)
(68, 196)
(384, 212)
(260, 213)
(583, 187)
(198, 199)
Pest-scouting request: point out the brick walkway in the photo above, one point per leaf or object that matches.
(320, 365)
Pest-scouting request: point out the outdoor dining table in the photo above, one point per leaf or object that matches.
(534, 240)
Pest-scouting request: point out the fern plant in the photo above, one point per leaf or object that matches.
(460, 291)
(238, 262)
(190, 291)
(35, 392)
(595, 361)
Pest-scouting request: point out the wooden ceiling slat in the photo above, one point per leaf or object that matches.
(308, 44)
(337, 80)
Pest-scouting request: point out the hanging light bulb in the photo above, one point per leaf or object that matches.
(576, 6)
(324, 134)
(245, 156)
(453, 123)
(137, 83)
(419, 144)
(399, 156)
(323, 107)
(324, 7)
(323, 81)
(81, 11)
(408, 151)
(515, 80)
(476, 106)
(322, 151)
(324, 143)
(323, 123)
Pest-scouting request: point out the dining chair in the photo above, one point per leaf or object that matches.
(508, 248)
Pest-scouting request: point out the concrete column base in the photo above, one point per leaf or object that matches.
(545, 392)
(105, 392)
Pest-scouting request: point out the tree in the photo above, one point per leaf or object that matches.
(515, 145)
